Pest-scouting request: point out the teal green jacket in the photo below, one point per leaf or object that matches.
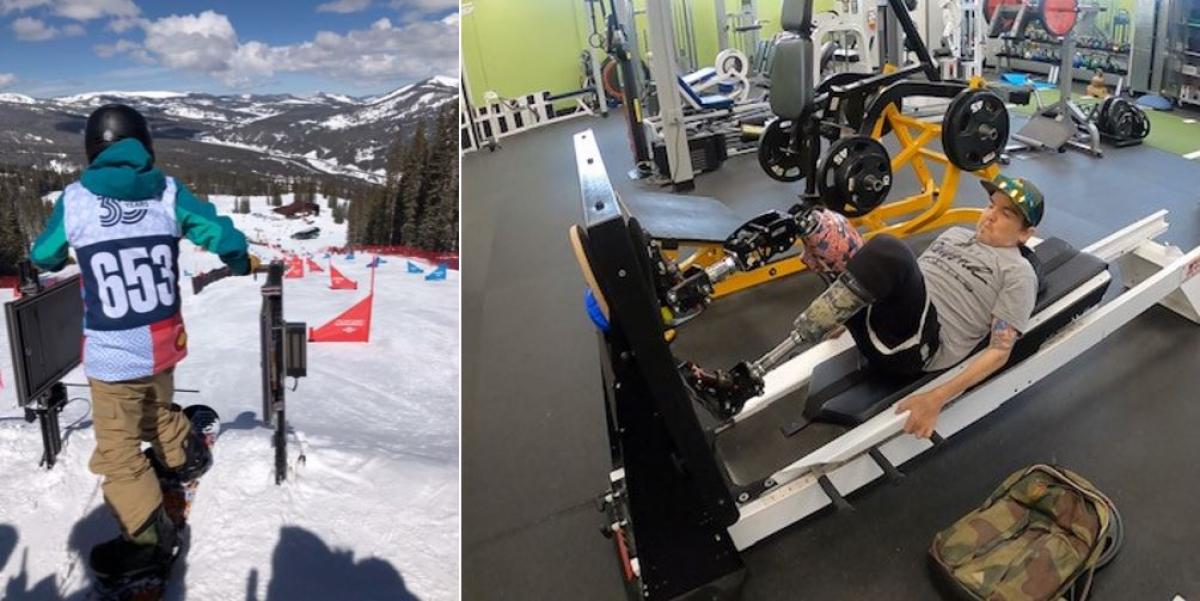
(125, 171)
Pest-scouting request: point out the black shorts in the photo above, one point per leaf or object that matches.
(899, 331)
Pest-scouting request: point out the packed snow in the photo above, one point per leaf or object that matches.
(188, 112)
(371, 513)
(59, 166)
(330, 166)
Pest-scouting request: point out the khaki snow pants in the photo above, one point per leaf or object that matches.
(123, 415)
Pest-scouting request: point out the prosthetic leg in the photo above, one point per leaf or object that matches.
(724, 393)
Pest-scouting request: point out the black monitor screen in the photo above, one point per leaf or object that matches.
(45, 332)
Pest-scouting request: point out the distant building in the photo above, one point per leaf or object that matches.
(298, 209)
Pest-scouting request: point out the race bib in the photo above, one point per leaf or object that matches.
(131, 282)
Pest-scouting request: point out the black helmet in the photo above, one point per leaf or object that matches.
(112, 123)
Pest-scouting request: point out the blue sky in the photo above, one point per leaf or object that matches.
(357, 47)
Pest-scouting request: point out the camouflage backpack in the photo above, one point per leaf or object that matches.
(1040, 536)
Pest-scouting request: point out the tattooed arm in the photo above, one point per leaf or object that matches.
(926, 406)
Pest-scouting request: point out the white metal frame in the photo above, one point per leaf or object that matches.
(656, 129)
(1154, 273)
(491, 121)
(670, 111)
(969, 38)
(857, 20)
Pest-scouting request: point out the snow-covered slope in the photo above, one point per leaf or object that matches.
(283, 130)
(372, 512)
(17, 99)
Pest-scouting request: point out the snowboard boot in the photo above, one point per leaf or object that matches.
(151, 547)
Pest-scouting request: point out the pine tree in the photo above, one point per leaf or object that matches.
(438, 225)
(417, 205)
(410, 202)
(12, 241)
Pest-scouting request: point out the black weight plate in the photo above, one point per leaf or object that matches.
(775, 154)
(855, 175)
(1143, 129)
(1122, 118)
(975, 129)
(1102, 120)
(1128, 120)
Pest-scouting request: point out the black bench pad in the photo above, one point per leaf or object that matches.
(681, 219)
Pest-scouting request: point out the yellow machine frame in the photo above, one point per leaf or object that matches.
(925, 211)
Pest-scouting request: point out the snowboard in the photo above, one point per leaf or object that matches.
(150, 584)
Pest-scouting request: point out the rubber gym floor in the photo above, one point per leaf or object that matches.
(1125, 414)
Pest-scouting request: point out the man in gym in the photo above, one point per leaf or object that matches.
(922, 313)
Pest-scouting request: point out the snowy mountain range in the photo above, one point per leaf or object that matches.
(267, 134)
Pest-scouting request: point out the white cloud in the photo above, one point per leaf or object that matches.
(207, 43)
(73, 29)
(204, 42)
(123, 24)
(79, 10)
(123, 46)
(7, 6)
(28, 29)
(86, 10)
(344, 6)
(6, 79)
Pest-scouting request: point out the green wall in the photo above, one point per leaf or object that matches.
(520, 46)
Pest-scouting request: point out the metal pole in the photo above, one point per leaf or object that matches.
(1065, 69)
(628, 56)
(722, 25)
(663, 70)
(597, 85)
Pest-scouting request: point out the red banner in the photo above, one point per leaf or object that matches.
(435, 257)
(337, 281)
(354, 325)
(313, 266)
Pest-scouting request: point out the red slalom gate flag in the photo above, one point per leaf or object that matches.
(354, 325)
(337, 281)
(295, 268)
(313, 266)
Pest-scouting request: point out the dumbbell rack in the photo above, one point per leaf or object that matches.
(1013, 56)
(1063, 124)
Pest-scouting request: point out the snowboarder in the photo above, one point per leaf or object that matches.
(124, 218)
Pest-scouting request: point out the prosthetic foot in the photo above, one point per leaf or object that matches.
(724, 393)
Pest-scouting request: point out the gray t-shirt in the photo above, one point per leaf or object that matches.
(970, 283)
